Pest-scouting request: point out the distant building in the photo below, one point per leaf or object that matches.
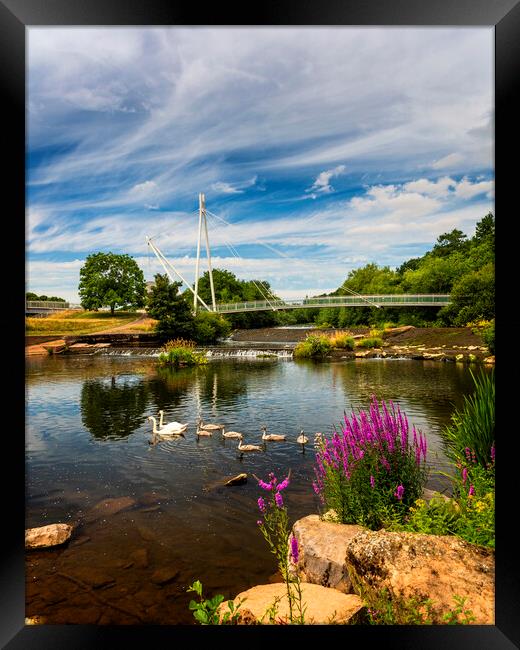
(149, 285)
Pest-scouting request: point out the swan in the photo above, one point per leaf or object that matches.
(231, 434)
(162, 433)
(271, 436)
(171, 427)
(243, 448)
(210, 427)
(302, 439)
(203, 432)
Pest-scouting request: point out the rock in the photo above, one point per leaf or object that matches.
(47, 536)
(164, 576)
(240, 479)
(139, 558)
(34, 620)
(323, 605)
(428, 495)
(417, 566)
(146, 533)
(151, 509)
(109, 507)
(322, 549)
(82, 539)
(92, 576)
(490, 359)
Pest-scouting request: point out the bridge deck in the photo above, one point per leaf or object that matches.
(387, 300)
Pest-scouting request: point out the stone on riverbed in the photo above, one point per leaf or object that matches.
(47, 536)
(322, 550)
(164, 576)
(323, 605)
(109, 507)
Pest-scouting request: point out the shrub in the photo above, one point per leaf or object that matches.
(210, 327)
(342, 340)
(373, 342)
(313, 346)
(488, 336)
(180, 352)
(371, 472)
(473, 426)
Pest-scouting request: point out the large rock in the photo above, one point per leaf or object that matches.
(416, 566)
(323, 605)
(322, 549)
(109, 507)
(46, 536)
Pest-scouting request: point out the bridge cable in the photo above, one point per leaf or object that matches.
(351, 291)
(235, 254)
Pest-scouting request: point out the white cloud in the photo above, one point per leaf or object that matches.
(467, 190)
(144, 189)
(451, 160)
(222, 187)
(322, 183)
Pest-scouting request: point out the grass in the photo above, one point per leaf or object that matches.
(74, 322)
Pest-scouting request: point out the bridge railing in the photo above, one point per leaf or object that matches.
(394, 300)
(50, 304)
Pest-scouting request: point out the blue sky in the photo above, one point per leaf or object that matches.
(322, 148)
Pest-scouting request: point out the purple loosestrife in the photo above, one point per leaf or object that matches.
(464, 475)
(493, 453)
(372, 482)
(265, 486)
(471, 491)
(399, 492)
(294, 550)
(261, 504)
(278, 499)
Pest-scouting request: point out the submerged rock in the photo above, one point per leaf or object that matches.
(164, 576)
(109, 507)
(323, 605)
(416, 566)
(47, 536)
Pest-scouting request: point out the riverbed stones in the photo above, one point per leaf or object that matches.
(47, 536)
(323, 604)
(92, 577)
(164, 575)
(139, 558)
(322, 549)
(416, 566)
(109, 507)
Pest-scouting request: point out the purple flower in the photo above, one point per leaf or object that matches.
(471, 491)
(399, 492)
(260, 522)
(294, 549)
(372, 482)
(493, 453)
(279, 500)
(261, 504)
(464, 476)
(265, 486)
(281, 486)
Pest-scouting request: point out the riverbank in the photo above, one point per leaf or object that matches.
(429, 343)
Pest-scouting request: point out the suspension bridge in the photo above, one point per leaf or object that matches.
(272, 302)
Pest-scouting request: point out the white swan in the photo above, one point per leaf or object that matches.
(162, 433)
(271, 436)
(243, 448)
(209, 426)
(171, 427)
(302, 439)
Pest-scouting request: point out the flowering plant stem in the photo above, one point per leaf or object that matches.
(274, 526)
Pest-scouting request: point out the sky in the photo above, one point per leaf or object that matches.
(318, 150)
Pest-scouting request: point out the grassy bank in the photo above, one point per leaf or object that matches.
(74, 322)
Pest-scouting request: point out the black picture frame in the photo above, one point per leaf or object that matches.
(15, 17)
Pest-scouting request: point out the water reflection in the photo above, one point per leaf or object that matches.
(113, 407)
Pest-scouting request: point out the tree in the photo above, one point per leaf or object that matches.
(450, 242)
(171, 308)
(111, 280)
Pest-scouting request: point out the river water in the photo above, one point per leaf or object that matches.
(88, 441)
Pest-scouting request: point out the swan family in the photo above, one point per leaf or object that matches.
(174, 429)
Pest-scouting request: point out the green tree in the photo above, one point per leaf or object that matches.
(473, 298)
(450, 242)
(171, 309)
(111, 280)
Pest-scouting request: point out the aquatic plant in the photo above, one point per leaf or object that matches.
(373, 469)
(473, 426)
(180, 352)
(371, 342)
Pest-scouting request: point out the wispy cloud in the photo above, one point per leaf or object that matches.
(322, 183)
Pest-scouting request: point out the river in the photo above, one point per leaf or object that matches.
(88, 440)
